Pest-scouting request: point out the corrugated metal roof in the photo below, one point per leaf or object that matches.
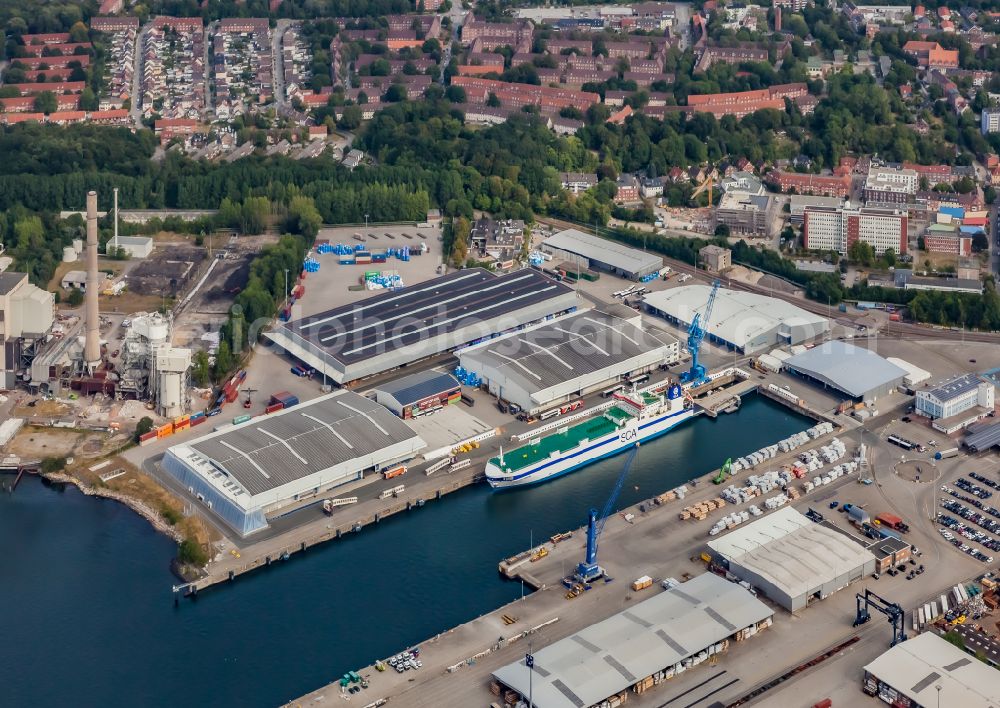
(983, 438)
(608, 657)
(929, 671)
(611, 253)
(268, 452)
(737, 317)
(566, 349)
(416, 387)
(851, 369)
(793, 553)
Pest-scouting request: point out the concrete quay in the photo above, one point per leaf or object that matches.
(312, 527)
(458, 663)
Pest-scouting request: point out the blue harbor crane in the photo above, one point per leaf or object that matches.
(697, 375)
(588, 570)
(892, 611)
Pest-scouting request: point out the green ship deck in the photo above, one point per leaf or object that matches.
(590, 429)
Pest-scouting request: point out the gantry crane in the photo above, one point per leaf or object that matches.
(588, 570)
(696, 375)
(891, 610)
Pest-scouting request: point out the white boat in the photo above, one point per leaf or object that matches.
(632, 420)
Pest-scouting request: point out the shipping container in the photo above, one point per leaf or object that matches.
(397, 471)
(198, 421)
(165, 430)
(151, 435)
(232, 395)
(274, 407)
(895, 317)
(240, 419)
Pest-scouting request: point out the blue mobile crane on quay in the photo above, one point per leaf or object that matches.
(589, 571)
(697, 375)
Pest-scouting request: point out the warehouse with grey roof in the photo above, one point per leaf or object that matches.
(928, 670)
(652, 640)
(399, 327)
(791, 559)
(856, 372)
(596, 253)
(246, 472)
(571, 356)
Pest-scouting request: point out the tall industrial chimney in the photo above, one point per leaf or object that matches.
(92, 344)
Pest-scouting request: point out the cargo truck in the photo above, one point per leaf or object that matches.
(892, 521)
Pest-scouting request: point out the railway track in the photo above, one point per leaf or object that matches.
(897, 330)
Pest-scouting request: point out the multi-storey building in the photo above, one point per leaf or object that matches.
(990, 121)
(890, 186)
(836, 229)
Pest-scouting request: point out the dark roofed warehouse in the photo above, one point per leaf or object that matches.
(396, 328)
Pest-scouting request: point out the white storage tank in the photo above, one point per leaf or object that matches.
(69, 254)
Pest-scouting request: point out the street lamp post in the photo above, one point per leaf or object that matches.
(365, 235)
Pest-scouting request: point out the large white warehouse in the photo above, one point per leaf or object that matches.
(742, 321)
(791, 559)
(246, 472)
(561, 359)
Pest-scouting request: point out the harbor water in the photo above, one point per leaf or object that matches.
(88, 617)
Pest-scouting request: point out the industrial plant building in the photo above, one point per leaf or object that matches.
(745, 322)
(791, 559)
(396, 328)
(956, 403)
(565, 358)
(928, 670)
(649, 643)
(246, 472)
(412, 396)
(26, 316)
(596, 253)
(855, 372)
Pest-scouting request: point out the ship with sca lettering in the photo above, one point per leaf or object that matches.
(633, 419)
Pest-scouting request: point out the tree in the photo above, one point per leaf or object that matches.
(75, 298)
(979, 242)
(46, 102)
(890, 257)
(455, 94)
(722, 230)
(303, 217)
(144, 426)
(492, 100)
(51, 465)
(861, 252)
(192, 553)
(395, 94)
(200, 369)
(460, 230)
(351, 118)
(223, 360)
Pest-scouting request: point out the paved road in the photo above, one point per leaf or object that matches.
(899, 330)
(278, 61)
(457, 15)
(135, 111)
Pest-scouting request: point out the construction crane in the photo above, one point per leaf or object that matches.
(588, 570)
(891, 610)
(697, 375)
(249, 392)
